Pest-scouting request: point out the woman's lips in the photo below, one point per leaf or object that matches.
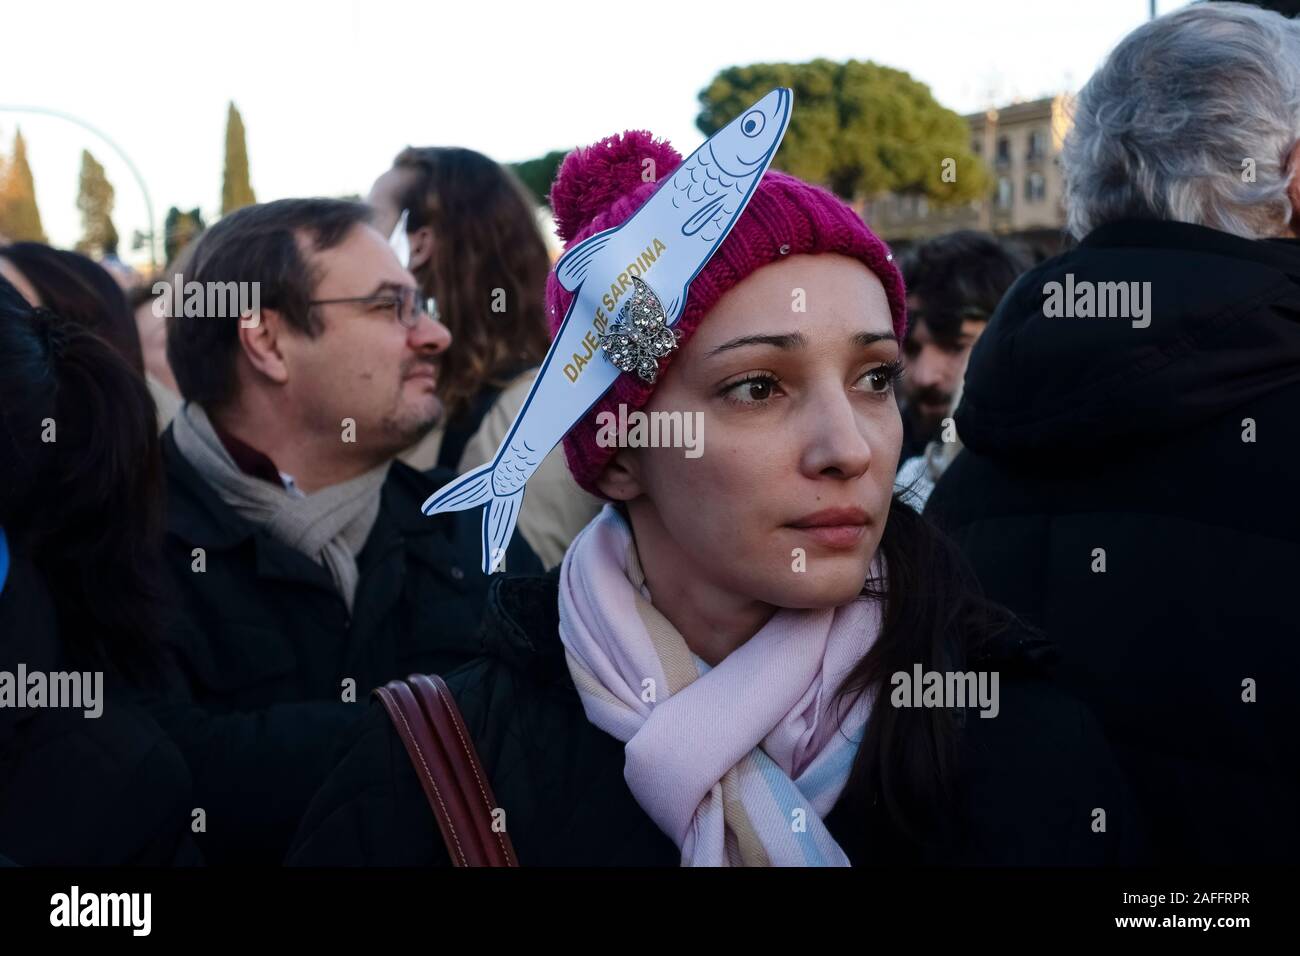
(841, 528)
(838, 536)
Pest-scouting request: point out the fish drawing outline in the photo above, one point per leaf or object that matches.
(690, 213)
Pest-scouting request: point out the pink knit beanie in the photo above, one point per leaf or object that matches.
(601, 186)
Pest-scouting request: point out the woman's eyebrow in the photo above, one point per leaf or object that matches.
(786, 340)
(797, 340)
(867, 339)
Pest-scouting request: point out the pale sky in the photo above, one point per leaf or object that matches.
(330, 91)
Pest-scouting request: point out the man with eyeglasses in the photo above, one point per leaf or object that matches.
(303, 570)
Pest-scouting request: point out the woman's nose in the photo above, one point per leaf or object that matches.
(837, 438)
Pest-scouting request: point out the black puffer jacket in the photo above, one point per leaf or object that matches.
(1030, 777)
(1163, 454)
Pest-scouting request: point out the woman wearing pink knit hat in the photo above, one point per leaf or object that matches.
(750, 656)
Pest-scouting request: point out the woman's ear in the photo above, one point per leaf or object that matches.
(621, 478)
(421, 247)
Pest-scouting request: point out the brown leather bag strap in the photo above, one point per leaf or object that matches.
(426, 717)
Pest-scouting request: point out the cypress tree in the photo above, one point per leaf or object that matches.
(95, 201)
(20, 219)
(236, 190)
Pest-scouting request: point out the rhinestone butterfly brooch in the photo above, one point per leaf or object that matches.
(639, 337)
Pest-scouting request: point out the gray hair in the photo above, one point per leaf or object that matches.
(1177, 116)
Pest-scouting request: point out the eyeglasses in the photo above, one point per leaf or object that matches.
(406, 303)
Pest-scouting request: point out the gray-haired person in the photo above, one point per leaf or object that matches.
(1130, 420)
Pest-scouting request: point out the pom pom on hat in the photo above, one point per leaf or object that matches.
(591, 178)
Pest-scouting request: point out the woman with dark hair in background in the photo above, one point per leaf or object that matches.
(75, 287)
(476, 250)
(70, 285)
(80, 493)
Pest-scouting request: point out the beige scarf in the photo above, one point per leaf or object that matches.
(329, 526)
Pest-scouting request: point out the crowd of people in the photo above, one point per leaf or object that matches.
(684, 660)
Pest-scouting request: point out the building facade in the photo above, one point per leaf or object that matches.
(1020, 145)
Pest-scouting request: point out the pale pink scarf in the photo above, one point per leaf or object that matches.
(739, 763)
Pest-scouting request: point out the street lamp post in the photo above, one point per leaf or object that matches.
(77, 121)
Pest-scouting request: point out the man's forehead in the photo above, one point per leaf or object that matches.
(917, 329)
(363, 256)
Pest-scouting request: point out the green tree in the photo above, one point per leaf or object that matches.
(538, 174)
(236, 190)
(20, 219)
(179, 230)
(95, 201)
(859, 128)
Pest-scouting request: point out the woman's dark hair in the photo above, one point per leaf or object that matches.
(76, 288)
(81, 481)
(486, 238)
(935, 615)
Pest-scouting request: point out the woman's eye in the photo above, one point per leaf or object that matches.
(881, 378)
(751, 391)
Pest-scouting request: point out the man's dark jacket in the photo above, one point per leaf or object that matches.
(1127, 489)
(265, 644)
(1029, 781)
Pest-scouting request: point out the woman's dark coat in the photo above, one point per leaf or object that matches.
(74, 790)
(1031, 776)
